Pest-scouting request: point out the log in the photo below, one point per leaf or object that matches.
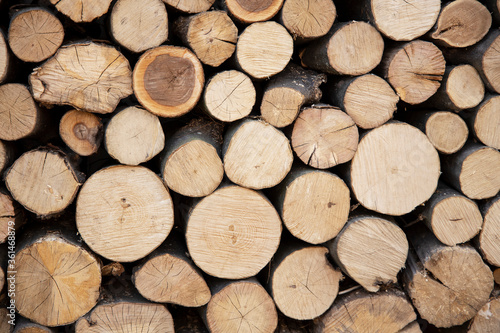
(308, 20)
(211, 35)
(6, 155)
(456, 274)
(134, 136)
(394, 169)
(487, 319)
(371, 250)
(361, 312)
(414, 69)
(168, 80)
(302, 282)
(474, 171)
(135, 216)
(226, 235)
(12, 216)
(350, 48)
(240, 306)
(191, 163)
(484, 121)
(229, 96)
(35, 34)
(139, 25)
(368, 99)
(264, 49)
(256, 155)
(287, 92)
(20, 116)
(190, 6)
(461, 23)
(168, 275)
(313, 204)
(249, 11)
(44, 181)
(5, 61)
(452, 217)
(323, 136)
(88, 76)
(5, 326)
(82, 10)
(81, 131)
(488, 238)
(27, 326)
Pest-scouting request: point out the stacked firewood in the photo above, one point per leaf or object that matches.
(250, 166)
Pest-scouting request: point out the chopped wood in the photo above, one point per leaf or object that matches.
(249, 11)
(24, 325)
(82, 10)
(12, 216)
(5, 61)
(490, 232)
(81, 131)
(487, 319)
(308, 20)
(485, 120)
(190, 6)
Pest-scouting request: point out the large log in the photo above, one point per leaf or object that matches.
(308, 20)
(81, 131)
(249, 11)
(82, 10)
(490, 232)
(484, 121)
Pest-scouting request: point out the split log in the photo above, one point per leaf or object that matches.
(135, 216)
(211, 35)
(352, 48)
(5, 61)
(81, 131)
(314, 205)
(6, 155)
(24, 325)
(191, 163)
(323, 136)
(456, 274)
(139, 25)
(168, 276)
(233, 232)
(487, 319)
(270, 37)
(368, 99)
(490, 233)
(20, 116)
(168, 80)
(88, 76)
(452, 217)
(302, 282)
(485, 120)
(190, 6)
(240, 306)
(134, 136)
(414, 69)
(12, 216)
(287, 92)
(361, 312)
(35, 34)
(43, 181)
(249, 11)
(308, 20)
(229, 96)
(474, 171)
(371, 250)
(256, 155)
(82, 10)
(461, 23)
(394, 169)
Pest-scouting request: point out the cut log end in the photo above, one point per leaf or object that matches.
(480, 174)
(307, 20)
(4, 58)
(487, 319)
(438, 128)
(464, 87)
(281, 106)
(81, 131)
(490, 64)
(490, 233)
(487, 122)
(82, 10)
(249, 11)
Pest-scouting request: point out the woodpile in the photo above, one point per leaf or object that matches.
(227, 166)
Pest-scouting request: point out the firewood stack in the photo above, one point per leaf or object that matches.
(250, 166)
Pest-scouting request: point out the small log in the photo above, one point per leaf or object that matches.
(313, 204)
(387, 311)
(135, 216)
(323, 136)
(394, 169)
(487, 319)
(35, 34)
(249, 11)
(43, 181)
(226, 235)
(270, 37)
(168, 80)
(484, 121)
(82, 10)
(368, 99)
(302, 282)
(5, 61)
(6, 155)
(190, 6)
(229, 96)
(20, 116)
(414, 69)
(308, 20)
(452, 217)
(88, 76)
(256, 155)
(169, 276)
(12, 216)
(134, 136)
(24, 325)
(287, 92)
(81, 131)
(488, 238)
(139, 25)
(456, 277)
(474, 171)
(240, 306)
(191, 163)
(351, 48)
(211, 35)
